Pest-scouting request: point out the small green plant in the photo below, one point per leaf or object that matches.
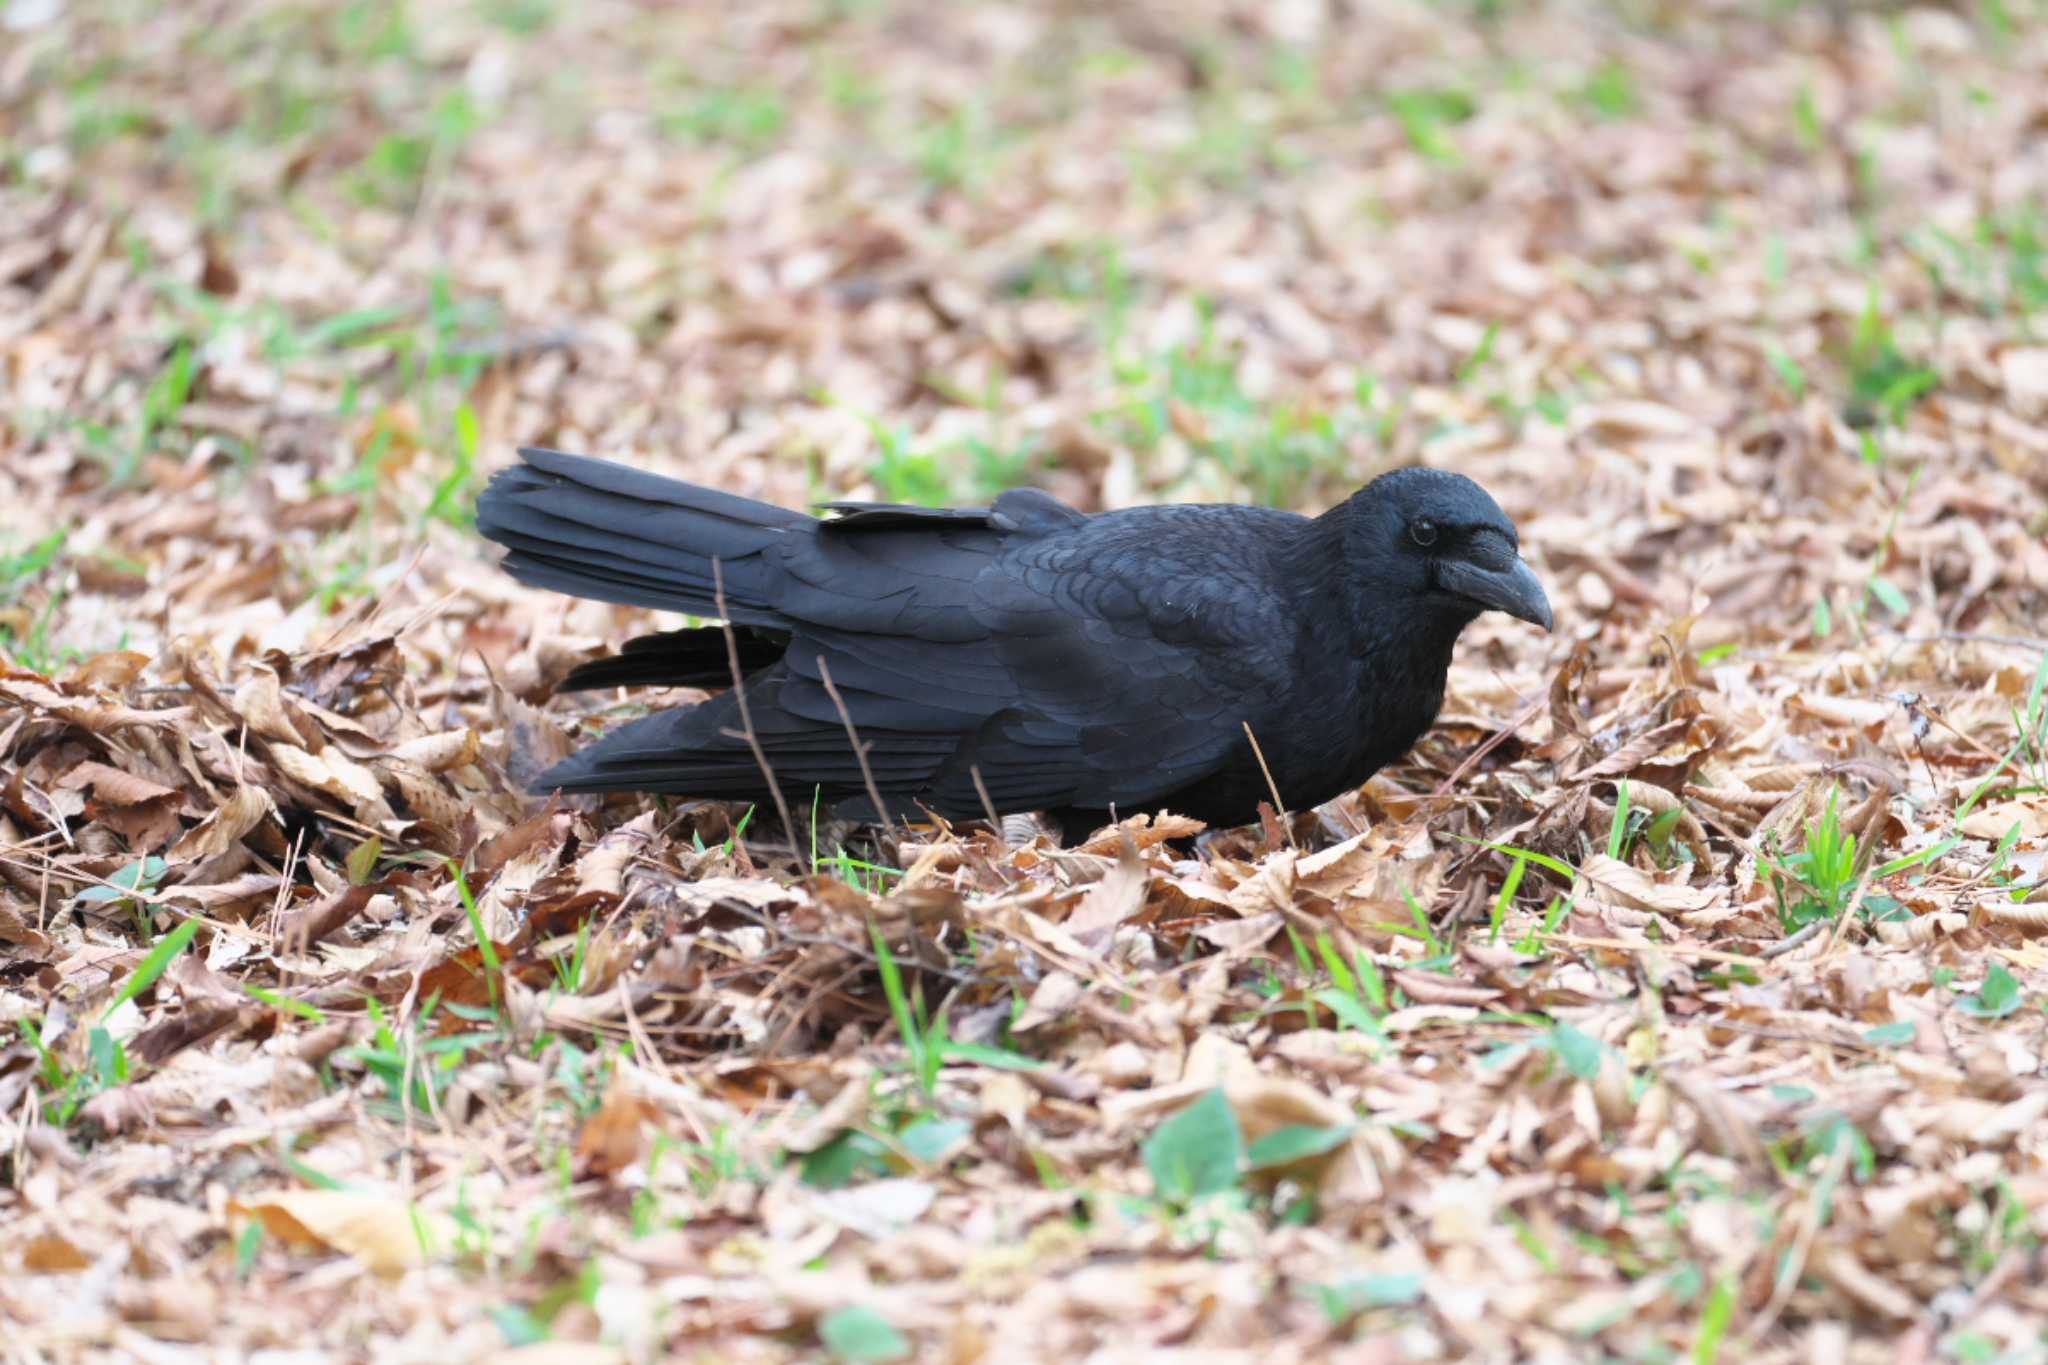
(570, 966)
(166, 396)
(924, 1037)
(1481, 355)
(415, 1068)
(858, 873)
(1279, 451)
(153, 964)
(743, 118)
(19, 568)
(1788, 371)
(907, 475)
(859, 1334)
(2001, 265)
(1420, 929)
(739, 832)
(66, 1088)
(1821, 877)
(1581, 1053)
(1833, 1135)
(1196, 1153)
(1200, 1155)
(311, 1013)
(847, 1158)
(494, 970)
(718, 1161)
(1883, 383)
(1715, 1319)
(1806, 123)
(1359, 997)
(1617, 829)
(1343, 1301)
(1508, 886)
(2031, 722)
(1610, 92)
(1426, 116)
(399, 166)
(129, 888)
(1532, 942)
(1999, 995)
(582, 1076)
(524, 17)
(960, 150)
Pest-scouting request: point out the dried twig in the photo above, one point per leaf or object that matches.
(1792, 943)
(1279, 806)
(739, 692)
(988, 807)
(1492, 742)
(1675, 949)
(860, 750)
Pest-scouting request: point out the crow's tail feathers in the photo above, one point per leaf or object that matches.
(698, 657)
(596, 529)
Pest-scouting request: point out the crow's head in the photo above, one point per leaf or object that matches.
(1444, 546)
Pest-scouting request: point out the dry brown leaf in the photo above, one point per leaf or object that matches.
(1431, 988)
(1144, 831)
(439, 753)
(1921, 930)
(226, 827)
(614, 1137)
(261, 703)
(2032, 918)
(92, 714)
(114, 785)
(1053, 998)
(1109, 902)
(1624, 885)
(113, 670)
(16, 927)
(381, 1232)
(2028, 814)
(604, 867)
(330, 771)
(847, 1107)
(52, 1253)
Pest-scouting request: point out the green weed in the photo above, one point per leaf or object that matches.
(415, 1066)
(1427, 116)
(1817, 882)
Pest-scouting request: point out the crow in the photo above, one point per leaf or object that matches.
(1022, 656)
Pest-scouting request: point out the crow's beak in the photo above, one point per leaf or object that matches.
(1511, 588)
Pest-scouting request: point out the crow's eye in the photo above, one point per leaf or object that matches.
(1423, 532)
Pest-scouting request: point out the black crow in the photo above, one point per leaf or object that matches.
(1022, 655)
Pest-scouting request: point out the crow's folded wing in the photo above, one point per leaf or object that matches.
(1100, 662)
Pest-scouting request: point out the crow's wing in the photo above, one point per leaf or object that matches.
(1105, 661)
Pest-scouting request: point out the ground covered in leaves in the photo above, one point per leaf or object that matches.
(1681, 996)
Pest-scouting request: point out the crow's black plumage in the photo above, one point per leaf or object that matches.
(1077, 664)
